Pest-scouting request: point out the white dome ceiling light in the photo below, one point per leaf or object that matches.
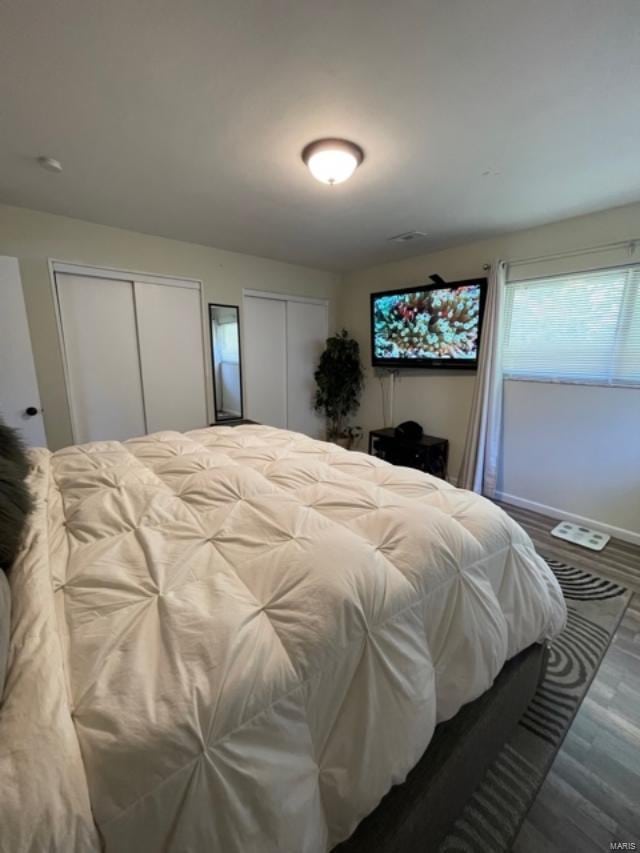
(332, 161)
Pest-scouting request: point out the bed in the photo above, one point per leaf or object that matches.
(238, 639)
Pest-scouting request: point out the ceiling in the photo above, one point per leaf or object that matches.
(186, 119)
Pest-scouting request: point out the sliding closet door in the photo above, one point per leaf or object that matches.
(307, 325)
(265, 356)
(101, 351)
(171, 355)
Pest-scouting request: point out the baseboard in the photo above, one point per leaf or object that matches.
(561, 514)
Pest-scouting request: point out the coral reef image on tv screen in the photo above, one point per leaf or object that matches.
(427, 324)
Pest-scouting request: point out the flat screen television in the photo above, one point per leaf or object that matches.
(432, 325)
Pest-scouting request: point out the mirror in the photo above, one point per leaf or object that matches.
(225, 358)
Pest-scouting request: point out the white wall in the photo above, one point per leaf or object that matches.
(574, 448)
(34, 237)
(441, 401)
(230, 386)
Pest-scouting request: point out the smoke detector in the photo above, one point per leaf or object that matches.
(407, 236)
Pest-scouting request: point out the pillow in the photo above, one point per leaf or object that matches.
(15, 501)
(5, 620)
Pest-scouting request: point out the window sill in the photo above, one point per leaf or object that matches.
(594, 383)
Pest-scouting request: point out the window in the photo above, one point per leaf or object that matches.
(583, 327)
(228, 342)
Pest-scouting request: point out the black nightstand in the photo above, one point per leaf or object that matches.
(430, 454)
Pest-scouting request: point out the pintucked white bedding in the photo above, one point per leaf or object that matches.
(256, 634)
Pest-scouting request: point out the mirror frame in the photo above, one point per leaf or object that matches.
(213, 305)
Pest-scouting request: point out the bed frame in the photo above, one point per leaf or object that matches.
(414, 817)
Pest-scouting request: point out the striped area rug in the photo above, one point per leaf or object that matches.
(493, 816)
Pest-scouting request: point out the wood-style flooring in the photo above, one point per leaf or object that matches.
(591, 797)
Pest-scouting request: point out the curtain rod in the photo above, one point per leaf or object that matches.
(631, 245)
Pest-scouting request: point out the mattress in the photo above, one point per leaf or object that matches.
(253, 636)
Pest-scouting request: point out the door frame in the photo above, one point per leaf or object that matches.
(284, 297)
(119, 274)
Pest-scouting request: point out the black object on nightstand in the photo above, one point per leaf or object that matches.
(430, 454)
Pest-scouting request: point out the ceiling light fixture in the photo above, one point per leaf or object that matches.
(332, 161)
(50, 164)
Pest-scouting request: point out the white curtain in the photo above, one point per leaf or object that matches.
(479, 468)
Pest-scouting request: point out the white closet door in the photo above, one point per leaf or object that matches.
(307, 325)
(265, 354)
(18, 384)
(101, 350)
(171, 356)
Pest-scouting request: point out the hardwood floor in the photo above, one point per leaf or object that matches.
(619, 561)
(591, 796)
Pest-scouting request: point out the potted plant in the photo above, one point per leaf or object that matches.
(339, 380)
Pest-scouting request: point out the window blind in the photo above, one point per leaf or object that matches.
(583, 327)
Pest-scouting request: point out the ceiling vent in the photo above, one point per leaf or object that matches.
(407, 236)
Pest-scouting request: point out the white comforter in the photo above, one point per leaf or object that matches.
(257, 633)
